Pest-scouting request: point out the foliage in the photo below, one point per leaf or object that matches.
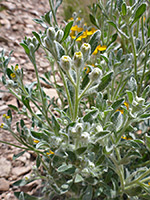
(91, 149)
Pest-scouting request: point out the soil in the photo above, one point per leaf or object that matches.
(16, 23)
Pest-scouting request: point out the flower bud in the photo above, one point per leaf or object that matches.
(31, 47)
(78, 59)
(51, 33)
(59, 35)
(9, 83)
(85, 136)
(65, 62)
(95, 74)
(47, 43)
(28, 40)
(86, 50)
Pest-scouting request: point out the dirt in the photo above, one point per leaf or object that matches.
(16, 23)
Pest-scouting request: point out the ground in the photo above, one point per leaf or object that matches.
(16, 23)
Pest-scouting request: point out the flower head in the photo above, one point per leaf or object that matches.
(78, 59)
(2, 125)
(13, 75)
(65, 62)
(49, 152)
(36, 141)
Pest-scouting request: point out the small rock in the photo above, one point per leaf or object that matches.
(18, 171)
(5, 167)
(51, 93)
(4, 185)
(3, 108)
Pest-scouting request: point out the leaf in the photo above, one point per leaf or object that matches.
(25, 101)
(94, 40)
(117, 120)
(9, 71)
(38, 161)
(27, 196)
(67, 30)
(88, 193)
(112, 24)
(13, 107)
(105, 81)
(59, 49)
(139, 12)
(117, 104)
(147, 142)
(55, 125)
(101, 135)
(92, 19)
(78, 178)
(15, 156)
(81, 150)
(124, 9)
(22, 182)
(40, 21)
(25, 48)
(67, 169)
(37, 36)
(130, 96)
(89, 117)
(58, 3)
(85, 81)
(39, 136)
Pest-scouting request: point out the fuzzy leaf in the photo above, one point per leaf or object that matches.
(139, 12)
(59, 49)
(105, 81)
(67, 30)
(94, 41)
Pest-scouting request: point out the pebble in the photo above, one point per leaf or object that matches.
(5, 167)
(4, 185)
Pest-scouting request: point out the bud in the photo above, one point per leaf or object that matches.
(86, 50)
(65, 62)
(28, 40)
(31, 47)
(78, 59)
(59, 35)
(51, 33)
(85, 136)
(47, 43)
(95, 74)
(34, 41)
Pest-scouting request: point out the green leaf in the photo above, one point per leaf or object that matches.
(25, 101)
(88, 193)
(117, 104)
(105, 81)
(78, 178)
(15, 156)
(40, 136)
(81, 150)
(67, 169)
(124, 9)
(38, 161)
(67, 30)
(25, 48)
(101, 135)
(9, 71)
(139, 12)
(40, 21)
(147, 142)
(92, 19)
(22, 182)
(55, 125)
(13, 107)
(27, 196)
(89, 117)
(95, 40)
(117, 120)
(130, 96)
(37, 36)
(58, 3)
(71, 156)
(112, 24)
(59, 49)
(85, 81)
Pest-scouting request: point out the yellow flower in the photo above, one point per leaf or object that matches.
(124, 137)
(93, 30)
(76, 28)
(120, 110)
(87, 70)
(127, 105)
(6, 116)
(71, 19)
(101, 48)
(2, 125)
(16, 67)
(78, 19)
(36, 141)
(149, 183)
(13, 75)
(95, 52)
(50, 152)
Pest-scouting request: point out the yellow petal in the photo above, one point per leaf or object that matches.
(101, 48)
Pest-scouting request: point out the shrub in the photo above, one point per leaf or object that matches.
(92, 148)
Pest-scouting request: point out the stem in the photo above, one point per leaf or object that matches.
(53, 12)
(134, 53)
(67, 91)
(77, 94)
(84, 91)
(142, 27)
(143, 75)
(117, 90)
